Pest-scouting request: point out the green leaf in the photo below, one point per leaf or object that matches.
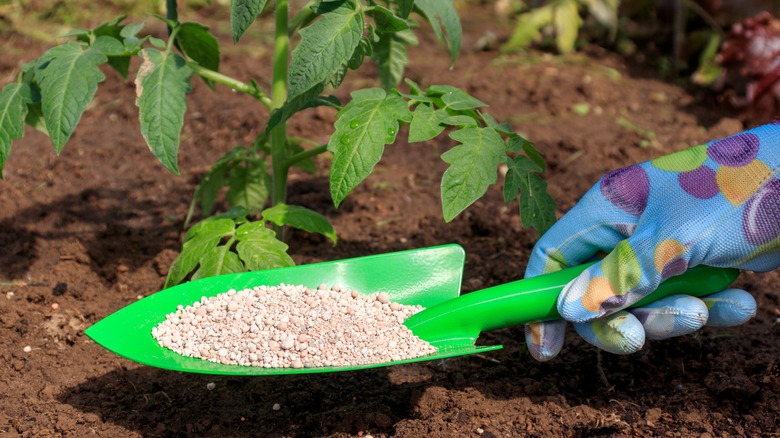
(78, 33)
(414, 87)
(259, 248)
(517, 170)
(219, 260)
(121, 64)
(293, 148)
(567, 25)
(117, 53)
(213, 181)
(13, 110)
(528, 28)
(308, 99)
(200, 239)
(110, 28)
(361, 51)
(364, 126)
(454, 98)
(438, 90)
(405, 7)
(156, 42)
(131, 30)
(338, 76)
(515, 144)
(209, 189)
(473, 168)
(491, 122)
(391, 56)
(326, 45)
(35, 117)
(503, 128)
(460, 120)
(537, 207)
(124, 34)
(162, 82)
(534, 154)
(444, 20)
(709, 69)
(243, 14)
(426, 123)
(386, 20)
(249, 187)
(459, 100)
(109, 46)
(68, 84)
(199, 44)
(301, 218)
(416, 98)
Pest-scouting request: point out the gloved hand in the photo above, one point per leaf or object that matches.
(716, 204)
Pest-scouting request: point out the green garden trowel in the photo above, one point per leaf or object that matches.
(429, 277)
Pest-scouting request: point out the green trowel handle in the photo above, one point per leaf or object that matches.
(534, 299)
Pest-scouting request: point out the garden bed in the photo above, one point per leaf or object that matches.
(92, 230)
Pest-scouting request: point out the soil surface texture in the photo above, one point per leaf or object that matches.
(90, 231)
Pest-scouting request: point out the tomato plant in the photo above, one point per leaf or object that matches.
(333, 37)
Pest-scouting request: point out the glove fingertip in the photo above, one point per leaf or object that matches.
(619, 333)
(672, 316)
(730, 307)
(545, 339)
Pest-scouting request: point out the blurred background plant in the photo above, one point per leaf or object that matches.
(561, 22)
(722, 45)
(731, 47)
(46, 20)
(750, 58)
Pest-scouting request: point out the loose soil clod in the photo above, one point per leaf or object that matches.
(293, 327)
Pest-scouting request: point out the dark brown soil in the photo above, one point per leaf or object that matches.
(98, 226)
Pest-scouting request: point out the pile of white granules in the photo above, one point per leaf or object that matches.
(293, 326)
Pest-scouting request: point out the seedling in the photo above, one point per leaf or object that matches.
(333, 36)
(562, 19)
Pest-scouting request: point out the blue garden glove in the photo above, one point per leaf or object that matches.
(716, 204)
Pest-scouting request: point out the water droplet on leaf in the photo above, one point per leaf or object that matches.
(345, 139)
(354, 124)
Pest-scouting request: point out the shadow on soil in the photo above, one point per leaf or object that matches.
(101, 227)
(156, 402)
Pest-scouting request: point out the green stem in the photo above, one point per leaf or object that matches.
(235, 84)
(291, 161)
(278, 97)
(171, 10)
(172, 38)
(303, 140)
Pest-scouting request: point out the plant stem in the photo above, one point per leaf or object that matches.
(172, 38)
(303, 140)
(235, 84)
(171, 10)
(291, 161)
(278, 97)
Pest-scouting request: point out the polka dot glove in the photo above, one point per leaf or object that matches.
(716, 204)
